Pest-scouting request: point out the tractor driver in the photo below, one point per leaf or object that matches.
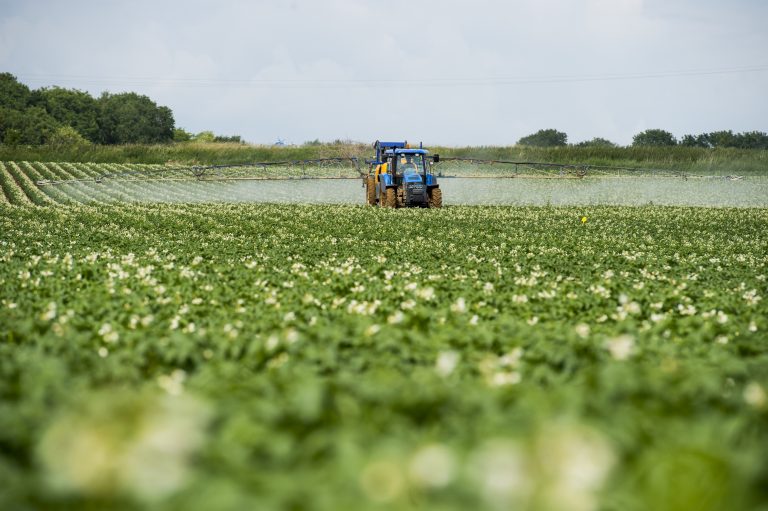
(409, 166)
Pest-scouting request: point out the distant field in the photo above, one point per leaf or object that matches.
(675, 158)
(101, 183)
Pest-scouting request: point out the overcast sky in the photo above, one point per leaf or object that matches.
(448, 72)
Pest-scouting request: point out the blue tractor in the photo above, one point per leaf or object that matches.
(400, 176)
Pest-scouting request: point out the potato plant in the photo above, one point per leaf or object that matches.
(235, 356)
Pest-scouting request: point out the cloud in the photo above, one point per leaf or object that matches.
(456, 72)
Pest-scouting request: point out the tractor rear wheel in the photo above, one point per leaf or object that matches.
(436, 198)
(370, 190)
(391, 198)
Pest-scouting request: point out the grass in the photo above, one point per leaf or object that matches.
(745, 161)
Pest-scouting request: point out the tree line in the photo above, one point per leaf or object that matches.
(656, 138)
(69, 117)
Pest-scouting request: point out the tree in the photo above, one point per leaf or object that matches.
(130, 118)
(596, 142)
(654, 137)
(695, 141)
(753, 140)
(31, 126)
(545, 138)
(10, 123)
(71, 107)
(13, 94)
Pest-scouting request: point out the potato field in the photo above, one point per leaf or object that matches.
(229, 356)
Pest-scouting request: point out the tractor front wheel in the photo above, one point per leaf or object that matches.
(435, 198)
(391, 198)
(370, 190)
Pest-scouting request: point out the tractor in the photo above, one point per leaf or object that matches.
(400, 176)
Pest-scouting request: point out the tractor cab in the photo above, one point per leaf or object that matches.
(409, 164)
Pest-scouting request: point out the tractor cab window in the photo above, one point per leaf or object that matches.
(410, 164)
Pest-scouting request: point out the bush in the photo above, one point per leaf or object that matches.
(67, 137)
(596, 142)
(654, 137)
(181, 135)
(545, 138)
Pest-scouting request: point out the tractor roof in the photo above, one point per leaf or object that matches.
(406, 151)
(389, 145)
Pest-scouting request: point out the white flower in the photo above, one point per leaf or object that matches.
(446, 362)
(533, 320)
(460, 306)
(172, 383)
(395, 318)
(426, 293)
(231, 331)
(50, 312)
(621, 347)
(512, 358)
(582, 330)
(752, 297)
(499, 469)
(488, 288)
(135, 445)
(272, 343)
(432, 466)
(503, 378)
(474, 320)
(754, 395)
(291, 336)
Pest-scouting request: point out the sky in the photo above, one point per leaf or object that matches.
(448, 72)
